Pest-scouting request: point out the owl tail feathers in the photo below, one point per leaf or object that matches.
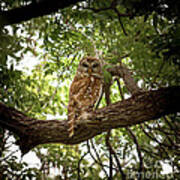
(71, 132)
(71, 128)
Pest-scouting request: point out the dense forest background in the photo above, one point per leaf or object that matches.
(41, 44)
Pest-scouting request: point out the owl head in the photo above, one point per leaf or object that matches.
(90, 66)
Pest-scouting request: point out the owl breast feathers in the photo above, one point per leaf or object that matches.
(85, 90)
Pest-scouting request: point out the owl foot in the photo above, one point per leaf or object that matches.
(84, 117)
(88, 119)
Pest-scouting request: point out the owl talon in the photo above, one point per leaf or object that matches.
(85, 116)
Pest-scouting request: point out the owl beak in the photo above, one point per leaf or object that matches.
(89, 71)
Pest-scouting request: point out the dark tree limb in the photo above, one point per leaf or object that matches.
(143, 107)
(33, 10)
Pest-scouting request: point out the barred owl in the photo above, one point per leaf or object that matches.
(85, 90)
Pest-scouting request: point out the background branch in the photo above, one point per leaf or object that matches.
(138, 152)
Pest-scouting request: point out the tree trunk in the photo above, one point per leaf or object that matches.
(141, 107)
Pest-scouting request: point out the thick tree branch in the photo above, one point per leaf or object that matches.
(143, 107)
(123, 72)
(33, 10)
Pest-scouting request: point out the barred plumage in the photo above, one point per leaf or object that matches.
(85, 90)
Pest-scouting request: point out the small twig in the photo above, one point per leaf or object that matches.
(170, 125)
(108, 102)
(94, 148)
(119, 88)
(138, 151)
(79, 164)
(122, 57)
(100, 98)
(111, 7)
(110, 155)
(5, 158)
(108, 144)
(159, 129)
(116, 158)
(153, 154)
(165, 133)
(161, 145)
(153, 138)
(119, 18)
(95, 160)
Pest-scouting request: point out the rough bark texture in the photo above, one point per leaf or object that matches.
(125, 73)
(142, 107)
(33, 10)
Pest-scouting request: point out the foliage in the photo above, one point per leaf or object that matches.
(146, 40)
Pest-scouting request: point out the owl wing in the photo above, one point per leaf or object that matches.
(76, 86)
(76, 91)
(96, 91)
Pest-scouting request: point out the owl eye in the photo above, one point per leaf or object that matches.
(95, 65)
(85, 65)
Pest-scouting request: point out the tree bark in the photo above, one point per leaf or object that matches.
(142, 107)
(33, 10)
